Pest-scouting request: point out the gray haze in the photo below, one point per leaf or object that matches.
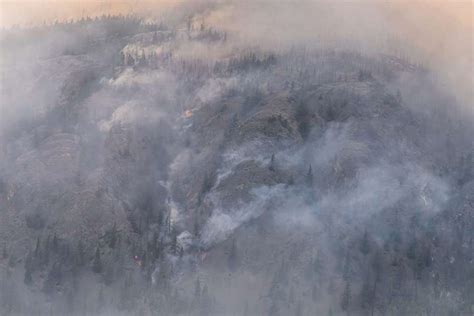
(235, 158)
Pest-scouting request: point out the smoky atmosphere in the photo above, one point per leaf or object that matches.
(236, 158)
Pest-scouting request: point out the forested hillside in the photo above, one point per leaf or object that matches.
(149, 168)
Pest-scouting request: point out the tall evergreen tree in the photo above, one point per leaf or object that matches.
(364, 246)
(197, 289)
(271, 167)
(309, 177)
(38, 247)
(28, 267)
(4, 252)
(346, 298)
(97, 263)
(232, 260)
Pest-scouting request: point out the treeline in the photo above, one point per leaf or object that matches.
(75, 37)
(112, 24)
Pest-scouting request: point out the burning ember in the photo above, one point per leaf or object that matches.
(137, 260)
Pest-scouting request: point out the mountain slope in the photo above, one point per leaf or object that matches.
(141, 178)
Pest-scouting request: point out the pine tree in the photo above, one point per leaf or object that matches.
(205, 304)
(46, 254)
(174, 241)
(299, 309)
(113, 236)
(109, 275)
(142, 61)
(5, 252)
(163, 278)
(364, 244)
(37, 247)
(11, 261)
(317, 264)
(54, 278)
(246, 309)
(100, 300)
(97, 263)
(309, 177)
(366, 294)
(271, 167)
(303, 117)
(398, 97)
(274, 309)
(28, 267)
(47, 244)
(70, 301)
(144, 260)
(232, 260)
(55, 244)
(346, 298)
(196, 227)
(156, 246)
(291, 181)
(80, 254)
(291, 296)
(130, 60)
(314, 292)
(197, 289)
(377, 266)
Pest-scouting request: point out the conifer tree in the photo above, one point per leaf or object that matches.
(346, 298)
(4, 252)
(365, 245)
(37, 247)
(232, 260)
(97, 263)
(28, 267)
(197, 289)
(309, 177)
(271, 167)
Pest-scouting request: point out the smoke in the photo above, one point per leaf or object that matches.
(222, 223)
(229, 143)
(437, 34)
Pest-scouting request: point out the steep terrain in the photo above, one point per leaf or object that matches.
(155, 170)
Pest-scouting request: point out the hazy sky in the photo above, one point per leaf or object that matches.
(437, 32)
(27, 12)
(36, 11)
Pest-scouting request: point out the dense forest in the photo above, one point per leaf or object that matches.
(155, 169)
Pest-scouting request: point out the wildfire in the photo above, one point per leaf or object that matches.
(137, 260)
(188, 113)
